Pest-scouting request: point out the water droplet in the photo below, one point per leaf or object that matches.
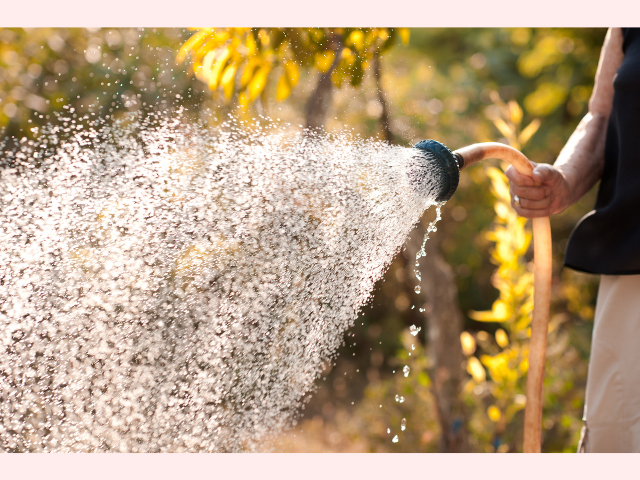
(399, 399)
(406, 370)
(403, 424)
(413, 330)
(395, 439)
(388, 430)
(417, 289)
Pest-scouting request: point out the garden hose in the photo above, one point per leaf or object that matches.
(450, 164)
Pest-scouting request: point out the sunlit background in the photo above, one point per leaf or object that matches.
(525, 87)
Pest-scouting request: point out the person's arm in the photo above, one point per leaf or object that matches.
(579, 166)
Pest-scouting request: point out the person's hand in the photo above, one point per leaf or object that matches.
(545, 193)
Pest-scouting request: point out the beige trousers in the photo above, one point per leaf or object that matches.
(612, 406)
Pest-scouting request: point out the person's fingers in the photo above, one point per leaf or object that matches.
(535, 204)
(519, 179)
(544, 173)
(531, 208)
(532, 193)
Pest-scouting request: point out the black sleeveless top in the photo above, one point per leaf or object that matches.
(607, 239)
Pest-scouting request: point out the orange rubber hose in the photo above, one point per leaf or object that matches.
(541, 295)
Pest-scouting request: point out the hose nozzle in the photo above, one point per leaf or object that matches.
(436, 171)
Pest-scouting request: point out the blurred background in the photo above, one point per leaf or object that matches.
(467, 362)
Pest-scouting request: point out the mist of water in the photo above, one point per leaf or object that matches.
(167, 286)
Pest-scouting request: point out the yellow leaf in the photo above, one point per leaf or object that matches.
(529, 131)
(498, 366)
(221, 60)
(499, 184)
(502, 338)
(527, 307)
(348, 56)
(324, 60)
(265, 40)
(468, 343)
(207, 62)
(544, 53)
(243, 99)
(191, 44)
(505, 129)
(485, 316)
(499, 313)
(283, 90)
(522, 323)
(227, 81)
(502, 210)
(404, 35)
(524, 365)
(476, 370)
(515, 112)
(248, 71)
(524, 282)
(494, 413)
(545, 99)
(212, 44)
(258, 82)
(251, 45)
(293, 73)
(356, 39)
(216, 39)
(501, 310)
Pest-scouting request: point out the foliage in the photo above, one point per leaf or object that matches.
(93, 71)
(505, 353)
(238, 62)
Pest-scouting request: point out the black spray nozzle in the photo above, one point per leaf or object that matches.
(436, 171)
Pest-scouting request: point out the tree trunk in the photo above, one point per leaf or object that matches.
(384, 117)
(444, 323)
(320, 101)
(444, 320)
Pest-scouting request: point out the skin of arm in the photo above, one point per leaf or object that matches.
(553, 188)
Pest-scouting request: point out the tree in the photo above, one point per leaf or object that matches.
(238, 63)
(94, 71)
(444, 322)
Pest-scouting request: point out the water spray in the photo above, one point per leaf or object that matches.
(437, 158)
(168, 286)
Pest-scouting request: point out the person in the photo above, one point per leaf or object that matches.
(605, 146)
